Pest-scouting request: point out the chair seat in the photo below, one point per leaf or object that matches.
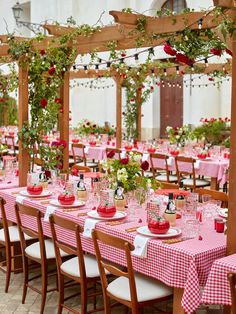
(13, 234)
(163, 177)
(71, 267)
(148, 174)
(147, 289)
(33, 250)
(199, 182)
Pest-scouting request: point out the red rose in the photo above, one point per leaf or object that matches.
(58, 100)
(123, 54)
(124, 161)
(132, 99)
(184, 59)
(42, 52)
(63, 143)
(74, 172)
(158, 84)
(169, 50)
(210, 79)
(145, 165)
(43, 102)
(206, 120)
(151, 88)
(51, 70)
(229, 52)
(59, 166)
(216, 52)
(111, 154)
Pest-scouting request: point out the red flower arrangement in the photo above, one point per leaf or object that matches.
(169, 50)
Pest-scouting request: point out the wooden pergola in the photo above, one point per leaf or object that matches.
(125, 39)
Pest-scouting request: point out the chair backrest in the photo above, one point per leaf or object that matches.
(171, 186)
(4, 220)
(232, 283)
(34, 229)
(59, 225)
(9, 141)
(113, 153)
(215, 195)
(78, 151)
(159, 162)
(185, 166)
(121, 244)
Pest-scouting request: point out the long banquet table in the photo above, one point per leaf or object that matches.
(185, 265)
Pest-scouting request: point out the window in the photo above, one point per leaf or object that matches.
(174, 5)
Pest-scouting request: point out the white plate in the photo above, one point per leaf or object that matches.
(223, 212)
(75, 204)
(43, 194)
(118, 215)
(172, 232)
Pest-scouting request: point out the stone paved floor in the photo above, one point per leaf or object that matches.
(11, 302)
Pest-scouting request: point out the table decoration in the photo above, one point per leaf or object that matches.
(66, 198)
(76, 203)
(140, 244)
(89, 225)
(172, 232)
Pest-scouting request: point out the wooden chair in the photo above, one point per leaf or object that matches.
(80, 158)
(215, 195)
(232, 283)
(82, 269)
(9, 236)
(185, 167)
(41, 252)
(116, 152)
(169, 186)
(131, 289)
(10, 143)
(159, 162)
(81, 168)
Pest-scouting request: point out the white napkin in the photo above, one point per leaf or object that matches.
(89, 225)
(20, 199)
(49, 211)
(86, 149)
(140, 243)
(197, 164)
(170, 161)
(145, 157)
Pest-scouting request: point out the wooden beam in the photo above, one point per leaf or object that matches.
(231, 230)
(24, 165)
(225, 3)
(118, 81)
(138, 103)
(90, 74)
(64, 119)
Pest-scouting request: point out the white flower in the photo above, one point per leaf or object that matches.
(177, 137)
(168, 128)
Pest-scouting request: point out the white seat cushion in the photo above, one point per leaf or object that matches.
(71, 267)
(88, 164)
(148, 174)
(33, 250)
(198, 182)
(13, 234)
(164, 178)
(147, 289)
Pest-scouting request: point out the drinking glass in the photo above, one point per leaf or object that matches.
(62, 180)
(191, 229)
(206, 198)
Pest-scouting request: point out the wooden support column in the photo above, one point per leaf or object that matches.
(64, 119)
(118, 81)
(231, 230)
(24, 165)
(138, 102)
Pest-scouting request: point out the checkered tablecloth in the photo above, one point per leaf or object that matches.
(182, 265)
(217, 289)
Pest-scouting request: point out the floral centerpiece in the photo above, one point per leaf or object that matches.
(128, 170)
(179, 135)
(214, 131)
(86, 127)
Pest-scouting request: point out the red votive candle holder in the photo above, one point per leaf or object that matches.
(220, 226)
(217, 220)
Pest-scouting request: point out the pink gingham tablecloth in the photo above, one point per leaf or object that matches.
(217, 289)
(9, 184)
(182, 265)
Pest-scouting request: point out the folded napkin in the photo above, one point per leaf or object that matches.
(49, 211)
(145, 157)
(140, 243)
(89, 225)
(86, 149)
(20, 199)
(170, 161)
(197, 164)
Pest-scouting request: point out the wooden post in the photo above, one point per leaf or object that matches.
(118, 81)
(139, 114)
(64, 119)
(23, 116)
(231, 230)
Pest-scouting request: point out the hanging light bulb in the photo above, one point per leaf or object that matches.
(96, 68)
(74, 67)
(108, 64)
(177, 69)
(165, 73)
(86, 69)
(200, 23)
(206, 62)
(136, 57)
